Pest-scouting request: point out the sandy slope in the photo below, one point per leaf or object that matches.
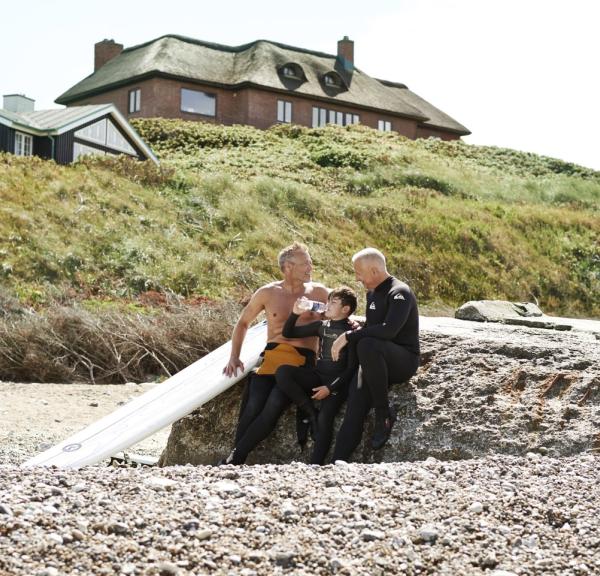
(36, 416)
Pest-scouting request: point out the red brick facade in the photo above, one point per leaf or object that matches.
(161, 97)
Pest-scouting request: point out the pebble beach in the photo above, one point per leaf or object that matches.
(498, 516)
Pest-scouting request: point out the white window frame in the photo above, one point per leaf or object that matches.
(23, 144)
(323, 116)
(384, 126)
(135, 100)
(284, 111)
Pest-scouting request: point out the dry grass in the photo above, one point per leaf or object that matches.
(71, 344)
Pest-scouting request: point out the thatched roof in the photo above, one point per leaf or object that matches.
(256, 64)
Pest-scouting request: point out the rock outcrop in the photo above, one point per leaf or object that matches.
(496, 310)
(482, 388)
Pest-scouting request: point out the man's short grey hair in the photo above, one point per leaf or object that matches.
(371, 254)
(289, 251)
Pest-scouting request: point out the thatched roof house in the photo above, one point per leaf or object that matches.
(260, 83)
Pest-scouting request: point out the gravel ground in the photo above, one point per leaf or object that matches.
(496, 516)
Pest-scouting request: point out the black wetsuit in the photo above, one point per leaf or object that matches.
(298, 382)
(388, 352)
(261, 394)
(265, 402)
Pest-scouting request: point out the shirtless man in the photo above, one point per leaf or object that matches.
(263, 402)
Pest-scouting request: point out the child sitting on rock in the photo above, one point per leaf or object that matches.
(328, 380)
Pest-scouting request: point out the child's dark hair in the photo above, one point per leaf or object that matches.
(347, 297)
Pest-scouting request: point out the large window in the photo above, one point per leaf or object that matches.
(384, 125)
(284, 111)
(23, 144)
(322, 116)
(106, 134)
(83, 150)
(196, 102)
(135, 100)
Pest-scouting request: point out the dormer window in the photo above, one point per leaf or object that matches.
(334, 80)
(292, 71)
(331, 80)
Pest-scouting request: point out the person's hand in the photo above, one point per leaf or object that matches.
(232, 367)
(337, 346)
(296, 309)
(320, 393)
(353, 323)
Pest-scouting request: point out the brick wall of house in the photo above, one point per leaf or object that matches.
(427, 132)
(161, 97)
(262, 112)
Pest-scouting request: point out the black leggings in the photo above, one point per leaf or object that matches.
(297, 384)
(254, 398)
(383, 363)
(262, 406)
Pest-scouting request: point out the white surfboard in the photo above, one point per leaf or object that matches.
(159, 407)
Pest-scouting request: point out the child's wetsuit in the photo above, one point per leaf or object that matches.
(298, 382)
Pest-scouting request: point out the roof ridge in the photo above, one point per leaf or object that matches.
(226, 48)
(391, 83)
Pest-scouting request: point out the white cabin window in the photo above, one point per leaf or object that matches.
(384, 125)
(105, 133)
(23, 144)
(83, 150)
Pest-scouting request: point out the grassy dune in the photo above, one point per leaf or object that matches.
(458, 222)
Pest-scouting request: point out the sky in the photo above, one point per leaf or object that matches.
(520, 74)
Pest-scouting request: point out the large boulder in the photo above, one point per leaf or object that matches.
(496, 310)
(481, 389)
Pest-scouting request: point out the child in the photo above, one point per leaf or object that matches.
(328, 381)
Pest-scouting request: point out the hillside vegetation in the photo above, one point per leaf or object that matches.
(458, 222)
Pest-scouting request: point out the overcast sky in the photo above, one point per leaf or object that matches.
(522, 74)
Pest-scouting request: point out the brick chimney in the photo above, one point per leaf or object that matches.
(345, 52)
(105, 51)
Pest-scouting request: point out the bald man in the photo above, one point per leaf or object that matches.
(387, 348)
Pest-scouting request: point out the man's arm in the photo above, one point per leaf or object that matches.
(249, 313)
(290, 330)
(399, 306)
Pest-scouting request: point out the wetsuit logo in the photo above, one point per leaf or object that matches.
(372, 306)
(398, 297)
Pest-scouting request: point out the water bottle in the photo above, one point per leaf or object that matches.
(312, 306)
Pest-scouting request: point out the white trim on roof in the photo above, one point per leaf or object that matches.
(98, 112)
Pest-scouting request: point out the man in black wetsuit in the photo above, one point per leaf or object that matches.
(387, 348)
